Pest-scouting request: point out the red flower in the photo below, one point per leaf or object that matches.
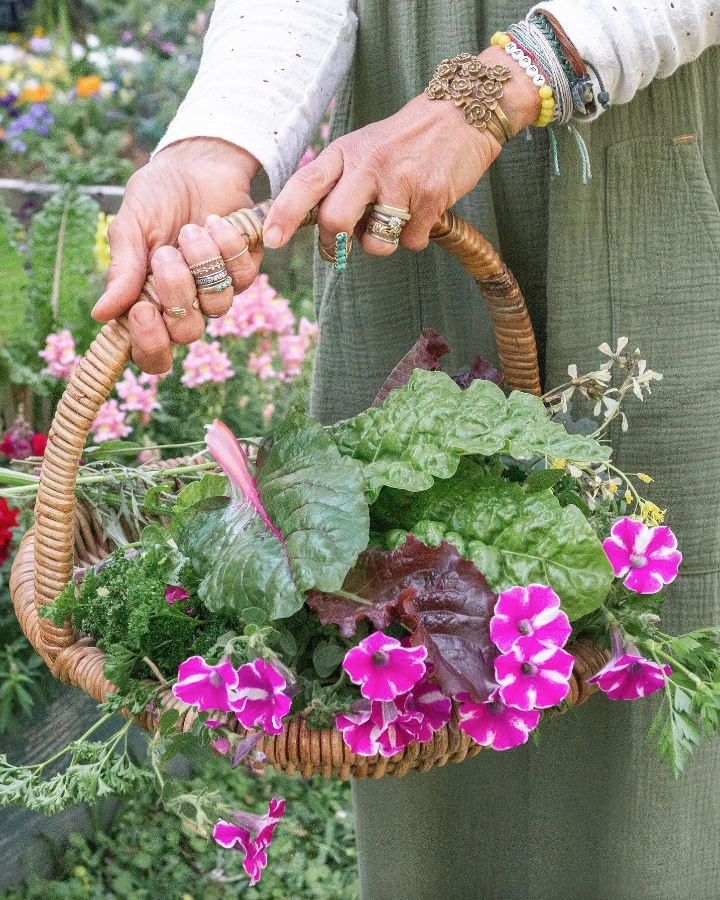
(39, 443)
(8, 520)
(7, 446)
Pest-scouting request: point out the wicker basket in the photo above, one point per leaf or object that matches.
(66, 533)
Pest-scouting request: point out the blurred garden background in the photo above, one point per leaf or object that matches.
(87, 88)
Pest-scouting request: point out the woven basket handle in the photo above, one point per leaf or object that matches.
(102, 365)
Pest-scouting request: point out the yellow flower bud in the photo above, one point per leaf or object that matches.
(628, 497)
(643, 477)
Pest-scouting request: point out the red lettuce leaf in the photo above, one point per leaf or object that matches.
(424, 354)
(442, 599)
(482, 369)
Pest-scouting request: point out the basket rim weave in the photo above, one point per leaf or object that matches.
(44, 562)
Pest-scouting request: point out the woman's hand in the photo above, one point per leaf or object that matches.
(185, 183)
(424, 158)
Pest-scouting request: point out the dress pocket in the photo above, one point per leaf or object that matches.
(663, 226)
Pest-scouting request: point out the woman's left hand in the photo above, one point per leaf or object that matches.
(422, 159)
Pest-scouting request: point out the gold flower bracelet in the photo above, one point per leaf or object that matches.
(476, 88)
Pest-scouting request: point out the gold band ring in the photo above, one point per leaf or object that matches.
(176, 312)
(504, 121)
(403, 214)
(496, 132)
(389, 232)
(328, 255)
(205, 262)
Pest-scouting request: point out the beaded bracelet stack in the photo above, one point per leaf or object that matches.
(532, 70)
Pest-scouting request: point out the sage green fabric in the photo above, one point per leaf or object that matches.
(589, 813)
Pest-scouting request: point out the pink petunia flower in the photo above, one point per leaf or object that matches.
(206, 363)
(495, 724)
(250, 834)
(136, 396)
(59, 355)
(383, 667)
(221, 744)
(259, 698)
(109, 424)
(646, 557)
(429, 707)
(205, 686)
(377, 726)
(532, 675)
(628, 675)
(529, 611)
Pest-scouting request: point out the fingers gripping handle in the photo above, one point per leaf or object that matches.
(102, 365)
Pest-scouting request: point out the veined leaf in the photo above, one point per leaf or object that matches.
(421, 431)
(513, 537)
(442, 599)
(301, 526)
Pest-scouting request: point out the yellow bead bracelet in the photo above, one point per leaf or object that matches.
(547, 95)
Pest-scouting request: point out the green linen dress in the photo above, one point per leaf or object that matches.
(589, 813)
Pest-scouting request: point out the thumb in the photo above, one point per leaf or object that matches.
(128, 269)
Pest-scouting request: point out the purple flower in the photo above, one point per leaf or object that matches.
(529, 611)
(40, 44)
(251, 834)
(628, 675)
(174, 592)
(383, 667)
(18, 146)
(205, 686)
(495, 724)
(532, 675)
(430, 708)
(258, 697)
(647, 558)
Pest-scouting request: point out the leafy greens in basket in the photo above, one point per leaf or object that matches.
(435, 556)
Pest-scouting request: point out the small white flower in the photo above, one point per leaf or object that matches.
(93, 41)
(572, 371)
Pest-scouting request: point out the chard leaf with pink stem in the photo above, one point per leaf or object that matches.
(297, 521)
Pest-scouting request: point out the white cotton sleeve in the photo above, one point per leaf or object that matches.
(631, 42)
(268, 72)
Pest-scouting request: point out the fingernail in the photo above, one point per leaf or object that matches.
(213, 221)
(144, 312)
(191, 232)
(273, 236)
(97, 306)
(166, 255)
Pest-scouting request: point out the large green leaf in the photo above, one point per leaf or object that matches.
(513, 536)
(312, 496)
(422, 429)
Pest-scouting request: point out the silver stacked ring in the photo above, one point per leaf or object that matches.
(212, 278)
(225, 283)
(386, 223)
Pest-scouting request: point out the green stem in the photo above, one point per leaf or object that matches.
(80, 740)
(354, 597)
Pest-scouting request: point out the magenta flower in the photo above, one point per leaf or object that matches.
(429, 707)
(529, 611)
(628, 675)
(251, 834)
(221, 744)
(647, 558)
(259, 698)
(532, 675)
(174, 592)
(377, 726)
(495, 724)
(205, 686)
(383, 667)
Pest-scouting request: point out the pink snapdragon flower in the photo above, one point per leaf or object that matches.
(647, 558)
(261, 364)
(529, 611)
(257, 310)
(109, 424)
(495, 724)
(205, 686)
(532, 675)
(383, 667)
(206, 363)
(292, 348)
(267, 412)
(308, 330)
(307, 157)
(250, 834)
(136, 396)
(628, 675)
(59, 355)
(259, 698)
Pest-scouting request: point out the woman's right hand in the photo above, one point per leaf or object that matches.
(185, 183)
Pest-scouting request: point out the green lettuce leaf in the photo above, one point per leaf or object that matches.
(307, 525)
(421, 431)
(514, 536)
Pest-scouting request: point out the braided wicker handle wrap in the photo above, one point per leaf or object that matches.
(102, 365)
